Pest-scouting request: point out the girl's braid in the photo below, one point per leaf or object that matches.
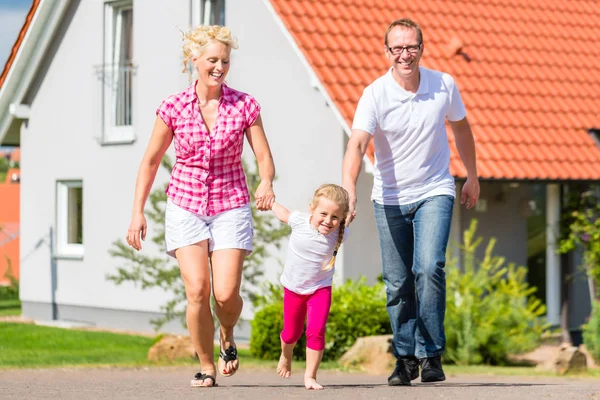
(329, 266)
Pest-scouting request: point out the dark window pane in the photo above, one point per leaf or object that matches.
(75, 215)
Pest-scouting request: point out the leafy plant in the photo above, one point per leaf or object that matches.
(490, 310)
(149, 271)
(591, 332)
(357, 310)
(268, 324)
(581, 230)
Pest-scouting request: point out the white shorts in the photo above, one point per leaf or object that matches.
(231, 229)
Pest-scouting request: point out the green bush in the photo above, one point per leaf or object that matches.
(490, 312)
(591, 332)
(267, 326)
(357, 309)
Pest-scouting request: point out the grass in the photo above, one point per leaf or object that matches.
(26, 345)
(509, 371)
(33, 346)
(10, 307)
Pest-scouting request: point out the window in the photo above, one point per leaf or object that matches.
(69, 219)
(205, 12)
(208, 12)
(117, 72)
(595, 133)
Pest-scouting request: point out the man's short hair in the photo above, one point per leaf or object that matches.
(406, 23)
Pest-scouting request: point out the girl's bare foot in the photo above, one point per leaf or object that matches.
(284, 368)
(311, 383)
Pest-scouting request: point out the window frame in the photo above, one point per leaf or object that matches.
(64, 249)
(111, 132)
(197, 18)
(199, 15)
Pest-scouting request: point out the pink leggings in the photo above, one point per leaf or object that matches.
(312, 307)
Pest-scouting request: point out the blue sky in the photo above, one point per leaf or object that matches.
(12, 17)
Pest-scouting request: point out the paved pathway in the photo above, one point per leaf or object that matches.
(171, 383)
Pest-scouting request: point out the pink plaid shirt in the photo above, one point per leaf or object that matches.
(208, 177)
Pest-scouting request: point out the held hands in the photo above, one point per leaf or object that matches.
(351, 212)
(264, 196)
(470, 192)
(137, 230)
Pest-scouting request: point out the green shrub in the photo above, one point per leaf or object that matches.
(267, 326)
(357, 309)
(591, 332)
(490, 312)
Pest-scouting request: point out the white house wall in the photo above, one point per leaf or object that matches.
(60, 142)
(307, 140)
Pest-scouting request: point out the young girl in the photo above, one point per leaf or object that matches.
(308, 275)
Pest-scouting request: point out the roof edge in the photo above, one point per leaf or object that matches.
(24, 66)
(316, 82)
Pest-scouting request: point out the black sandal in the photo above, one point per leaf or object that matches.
(202, 377)
(230, 354)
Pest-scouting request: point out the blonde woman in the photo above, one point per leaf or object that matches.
(208, 219)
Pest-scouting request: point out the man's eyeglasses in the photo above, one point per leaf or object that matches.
(412, 49)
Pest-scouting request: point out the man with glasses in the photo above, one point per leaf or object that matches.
(413, 193)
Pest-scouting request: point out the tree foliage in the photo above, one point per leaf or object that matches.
(490, 308)
(580, 229)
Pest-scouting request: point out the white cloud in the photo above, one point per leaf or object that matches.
(11, 22)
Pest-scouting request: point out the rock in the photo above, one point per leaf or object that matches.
(570, 359)
(590, 360)
(542, 357)
(171, 348)
(371, 354)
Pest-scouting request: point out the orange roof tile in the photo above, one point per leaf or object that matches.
(10, 194)
(17, 45)
(9, 256)
(15, 156)
(531, 87)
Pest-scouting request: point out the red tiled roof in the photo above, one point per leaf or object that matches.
(531, 87)
(17, 45)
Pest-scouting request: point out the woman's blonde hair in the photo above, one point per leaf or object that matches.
(340, 196)
(196, 40)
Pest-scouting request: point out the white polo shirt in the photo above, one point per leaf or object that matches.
(412, 155)
(308, 251)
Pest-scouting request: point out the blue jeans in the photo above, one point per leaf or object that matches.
(413, 239)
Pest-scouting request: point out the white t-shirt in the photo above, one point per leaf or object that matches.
(412, 155)
(308, 251)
